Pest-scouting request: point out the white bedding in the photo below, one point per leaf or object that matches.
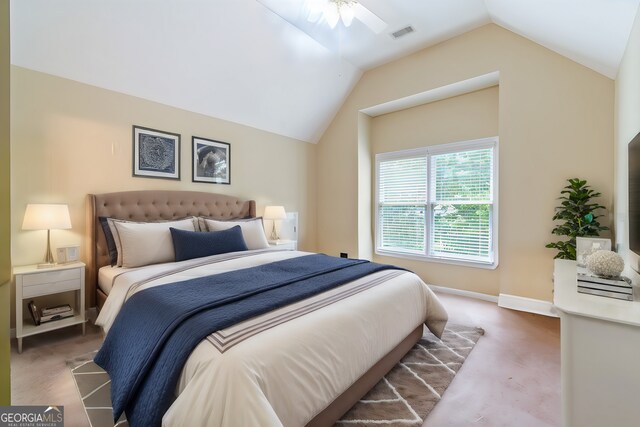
(106, 276)
(287, 374)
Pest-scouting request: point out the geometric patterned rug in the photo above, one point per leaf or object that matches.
(94, 387)
(404, 397)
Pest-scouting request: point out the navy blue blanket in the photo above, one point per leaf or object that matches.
(158, 328)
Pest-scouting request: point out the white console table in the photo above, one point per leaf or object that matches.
(600, 355)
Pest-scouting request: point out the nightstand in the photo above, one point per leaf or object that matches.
(33, 282)
(284, 244)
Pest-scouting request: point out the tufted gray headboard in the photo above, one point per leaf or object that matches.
(151, 205)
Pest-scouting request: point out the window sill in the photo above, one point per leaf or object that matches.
(441, 260)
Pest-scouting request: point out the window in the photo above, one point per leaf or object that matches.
(439, 202)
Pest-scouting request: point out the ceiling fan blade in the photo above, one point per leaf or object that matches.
(370, 19)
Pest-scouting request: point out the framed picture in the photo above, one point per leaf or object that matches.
(156, 154)
(585, 246)
(211, 161)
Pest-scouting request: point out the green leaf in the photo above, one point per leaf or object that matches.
(578, 214)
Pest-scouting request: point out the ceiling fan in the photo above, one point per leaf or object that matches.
(333, 11)
(311, 15)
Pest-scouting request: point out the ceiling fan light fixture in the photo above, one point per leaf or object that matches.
(348, 12)
(332, 13)
(340, 10)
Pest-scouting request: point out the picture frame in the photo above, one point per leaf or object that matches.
(211, 161)
(585, 246)
(156, 153)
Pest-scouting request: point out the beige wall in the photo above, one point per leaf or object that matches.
(627, 125)
(432, 124)
(5, 212)
(69, 139)
(555, 121)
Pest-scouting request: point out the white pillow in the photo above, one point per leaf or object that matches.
(202, 226)
(252, 231)
(116, 239)
(148, 243)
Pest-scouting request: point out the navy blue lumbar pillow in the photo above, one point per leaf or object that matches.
(196, 244)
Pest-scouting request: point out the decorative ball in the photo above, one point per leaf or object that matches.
(605, 264)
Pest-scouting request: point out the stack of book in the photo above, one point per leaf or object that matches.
(56, 313)
(618, 288)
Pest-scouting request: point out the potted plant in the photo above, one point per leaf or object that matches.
(577, 211)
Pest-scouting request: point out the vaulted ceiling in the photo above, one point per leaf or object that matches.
(263, 64)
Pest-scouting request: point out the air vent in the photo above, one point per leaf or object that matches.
(402, 32)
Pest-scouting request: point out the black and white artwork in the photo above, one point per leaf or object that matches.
(211, 161)
(156, 154)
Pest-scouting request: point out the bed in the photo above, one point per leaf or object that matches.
(303, 364)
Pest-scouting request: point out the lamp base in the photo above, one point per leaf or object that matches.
(49, 262)
(47, 265)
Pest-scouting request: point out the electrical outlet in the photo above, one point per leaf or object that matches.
(344, 255)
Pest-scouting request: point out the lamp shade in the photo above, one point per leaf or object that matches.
(46, 217)
(274, 212)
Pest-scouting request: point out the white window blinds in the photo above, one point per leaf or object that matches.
(461, 204)
(438, 202)
(403, 203)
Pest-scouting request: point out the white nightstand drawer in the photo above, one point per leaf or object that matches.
(50, 288)
(50, 277)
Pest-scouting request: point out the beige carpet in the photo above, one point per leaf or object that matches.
(404, 397)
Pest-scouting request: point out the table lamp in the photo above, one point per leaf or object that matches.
(46, 217)
(274, 213)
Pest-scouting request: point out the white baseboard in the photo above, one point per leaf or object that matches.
(529, 305)
(462, 293)
(512, 302)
